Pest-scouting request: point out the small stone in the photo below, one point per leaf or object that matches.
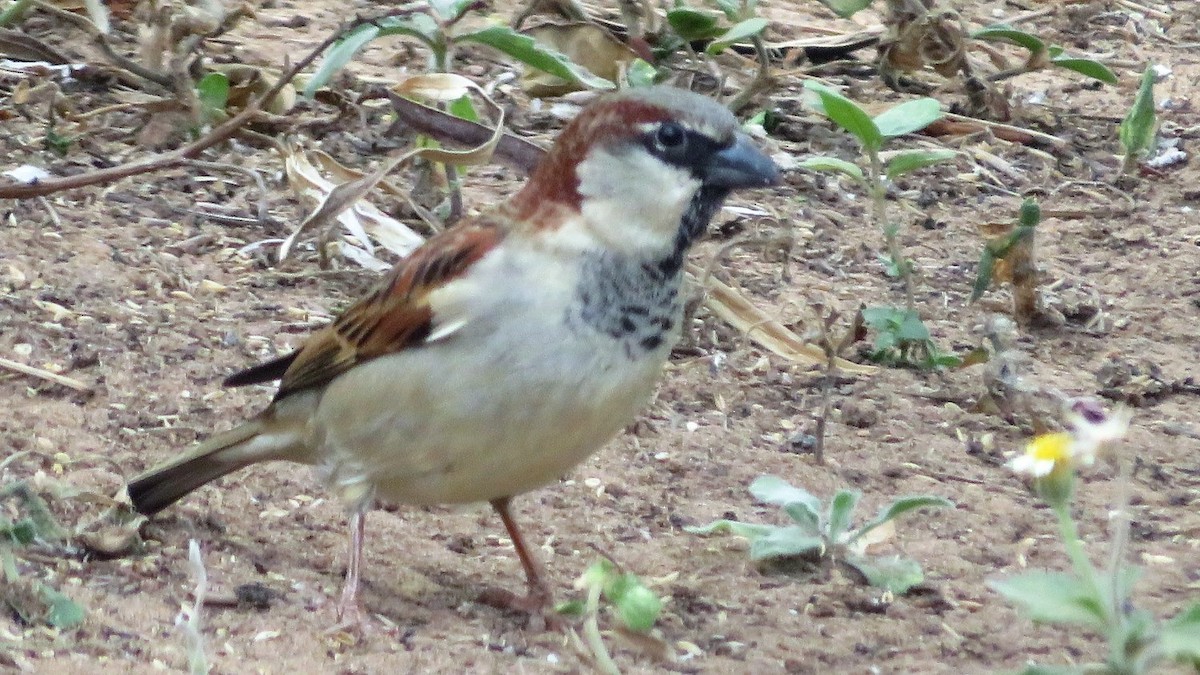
(860, 413)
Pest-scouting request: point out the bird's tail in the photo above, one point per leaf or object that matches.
(165, 484)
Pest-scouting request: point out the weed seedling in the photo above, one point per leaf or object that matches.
(1139, 127)
(872, 133)
(635, 607)
(826, 535)
(32, 601)
(438, 31)
(1009, 258)
(903, 340)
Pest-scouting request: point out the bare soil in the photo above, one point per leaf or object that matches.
(111, 285)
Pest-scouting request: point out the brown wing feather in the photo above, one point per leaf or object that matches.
(394, 315)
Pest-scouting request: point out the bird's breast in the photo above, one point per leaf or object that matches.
(550, 362)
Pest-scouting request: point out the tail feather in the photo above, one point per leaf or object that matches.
(165, 484)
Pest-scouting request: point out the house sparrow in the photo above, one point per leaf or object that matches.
(510, 347)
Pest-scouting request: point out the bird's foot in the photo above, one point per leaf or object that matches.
(538, 605)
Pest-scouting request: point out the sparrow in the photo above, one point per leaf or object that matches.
(509, 347)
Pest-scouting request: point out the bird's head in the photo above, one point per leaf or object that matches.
(643, 170)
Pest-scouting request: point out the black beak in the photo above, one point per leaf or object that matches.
(740, 166)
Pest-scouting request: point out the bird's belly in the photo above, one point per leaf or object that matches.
(447, 425)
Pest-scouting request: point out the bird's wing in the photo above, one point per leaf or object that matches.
(395, 315)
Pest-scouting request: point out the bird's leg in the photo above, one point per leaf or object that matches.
(540, 597)
(348, 611)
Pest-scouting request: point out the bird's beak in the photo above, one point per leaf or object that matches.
(740, 166)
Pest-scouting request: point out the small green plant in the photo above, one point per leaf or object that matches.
(736, 22)
(436, 30)
(212, 91)
(1139, 127)
(1008, 257)
(1097, 599)
(635, 607)
(872, 133)
(32, 601)
(1042, 55)
(827, 535)
(902, 339)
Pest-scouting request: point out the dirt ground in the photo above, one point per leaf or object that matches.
(130, 289)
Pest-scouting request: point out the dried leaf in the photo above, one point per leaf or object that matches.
(731, 307)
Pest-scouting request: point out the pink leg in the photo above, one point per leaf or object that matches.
(348, 610)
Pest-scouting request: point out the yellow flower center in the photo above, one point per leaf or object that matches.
(1054, 447)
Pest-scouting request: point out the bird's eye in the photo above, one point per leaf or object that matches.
(670, 135)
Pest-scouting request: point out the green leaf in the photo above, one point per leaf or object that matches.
(1010, 34)
(1052, 597)
(882, 318)
(571, 608)
(637, 606)
(1031, 213)
(1137, 129)
(938, 360)
(450, 10)
(339, 54)
(799, 504)
(747, 530)
(911, 328)
(898, 508)
(213, 92)
(599, 573)
(983, 277)
(62, 612)
(641, 73)
(911, 160)
(841, 511)
(833, 164)
(846, 8)
(23, 532)
(531, 53)
(693, 25)
(908, 117)
(782, 542)
(463, 108)
(893, 574)
(776, 491)
(1088, 67)
(846, 114)
(1180, 637)
(420, 26)
(739, 32)
(731, 8)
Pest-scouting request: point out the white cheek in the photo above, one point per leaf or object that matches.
(633, 200)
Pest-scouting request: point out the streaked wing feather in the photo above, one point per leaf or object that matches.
(396, 314)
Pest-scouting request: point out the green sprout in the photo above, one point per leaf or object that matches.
(736, 22)
(826, 535)
(1010, 257)
(872, 133)
(902, 339)
(437, 32)
(1138, 128)
(635, 607)
(32, 601)
(213, 93)
(1042, 55)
